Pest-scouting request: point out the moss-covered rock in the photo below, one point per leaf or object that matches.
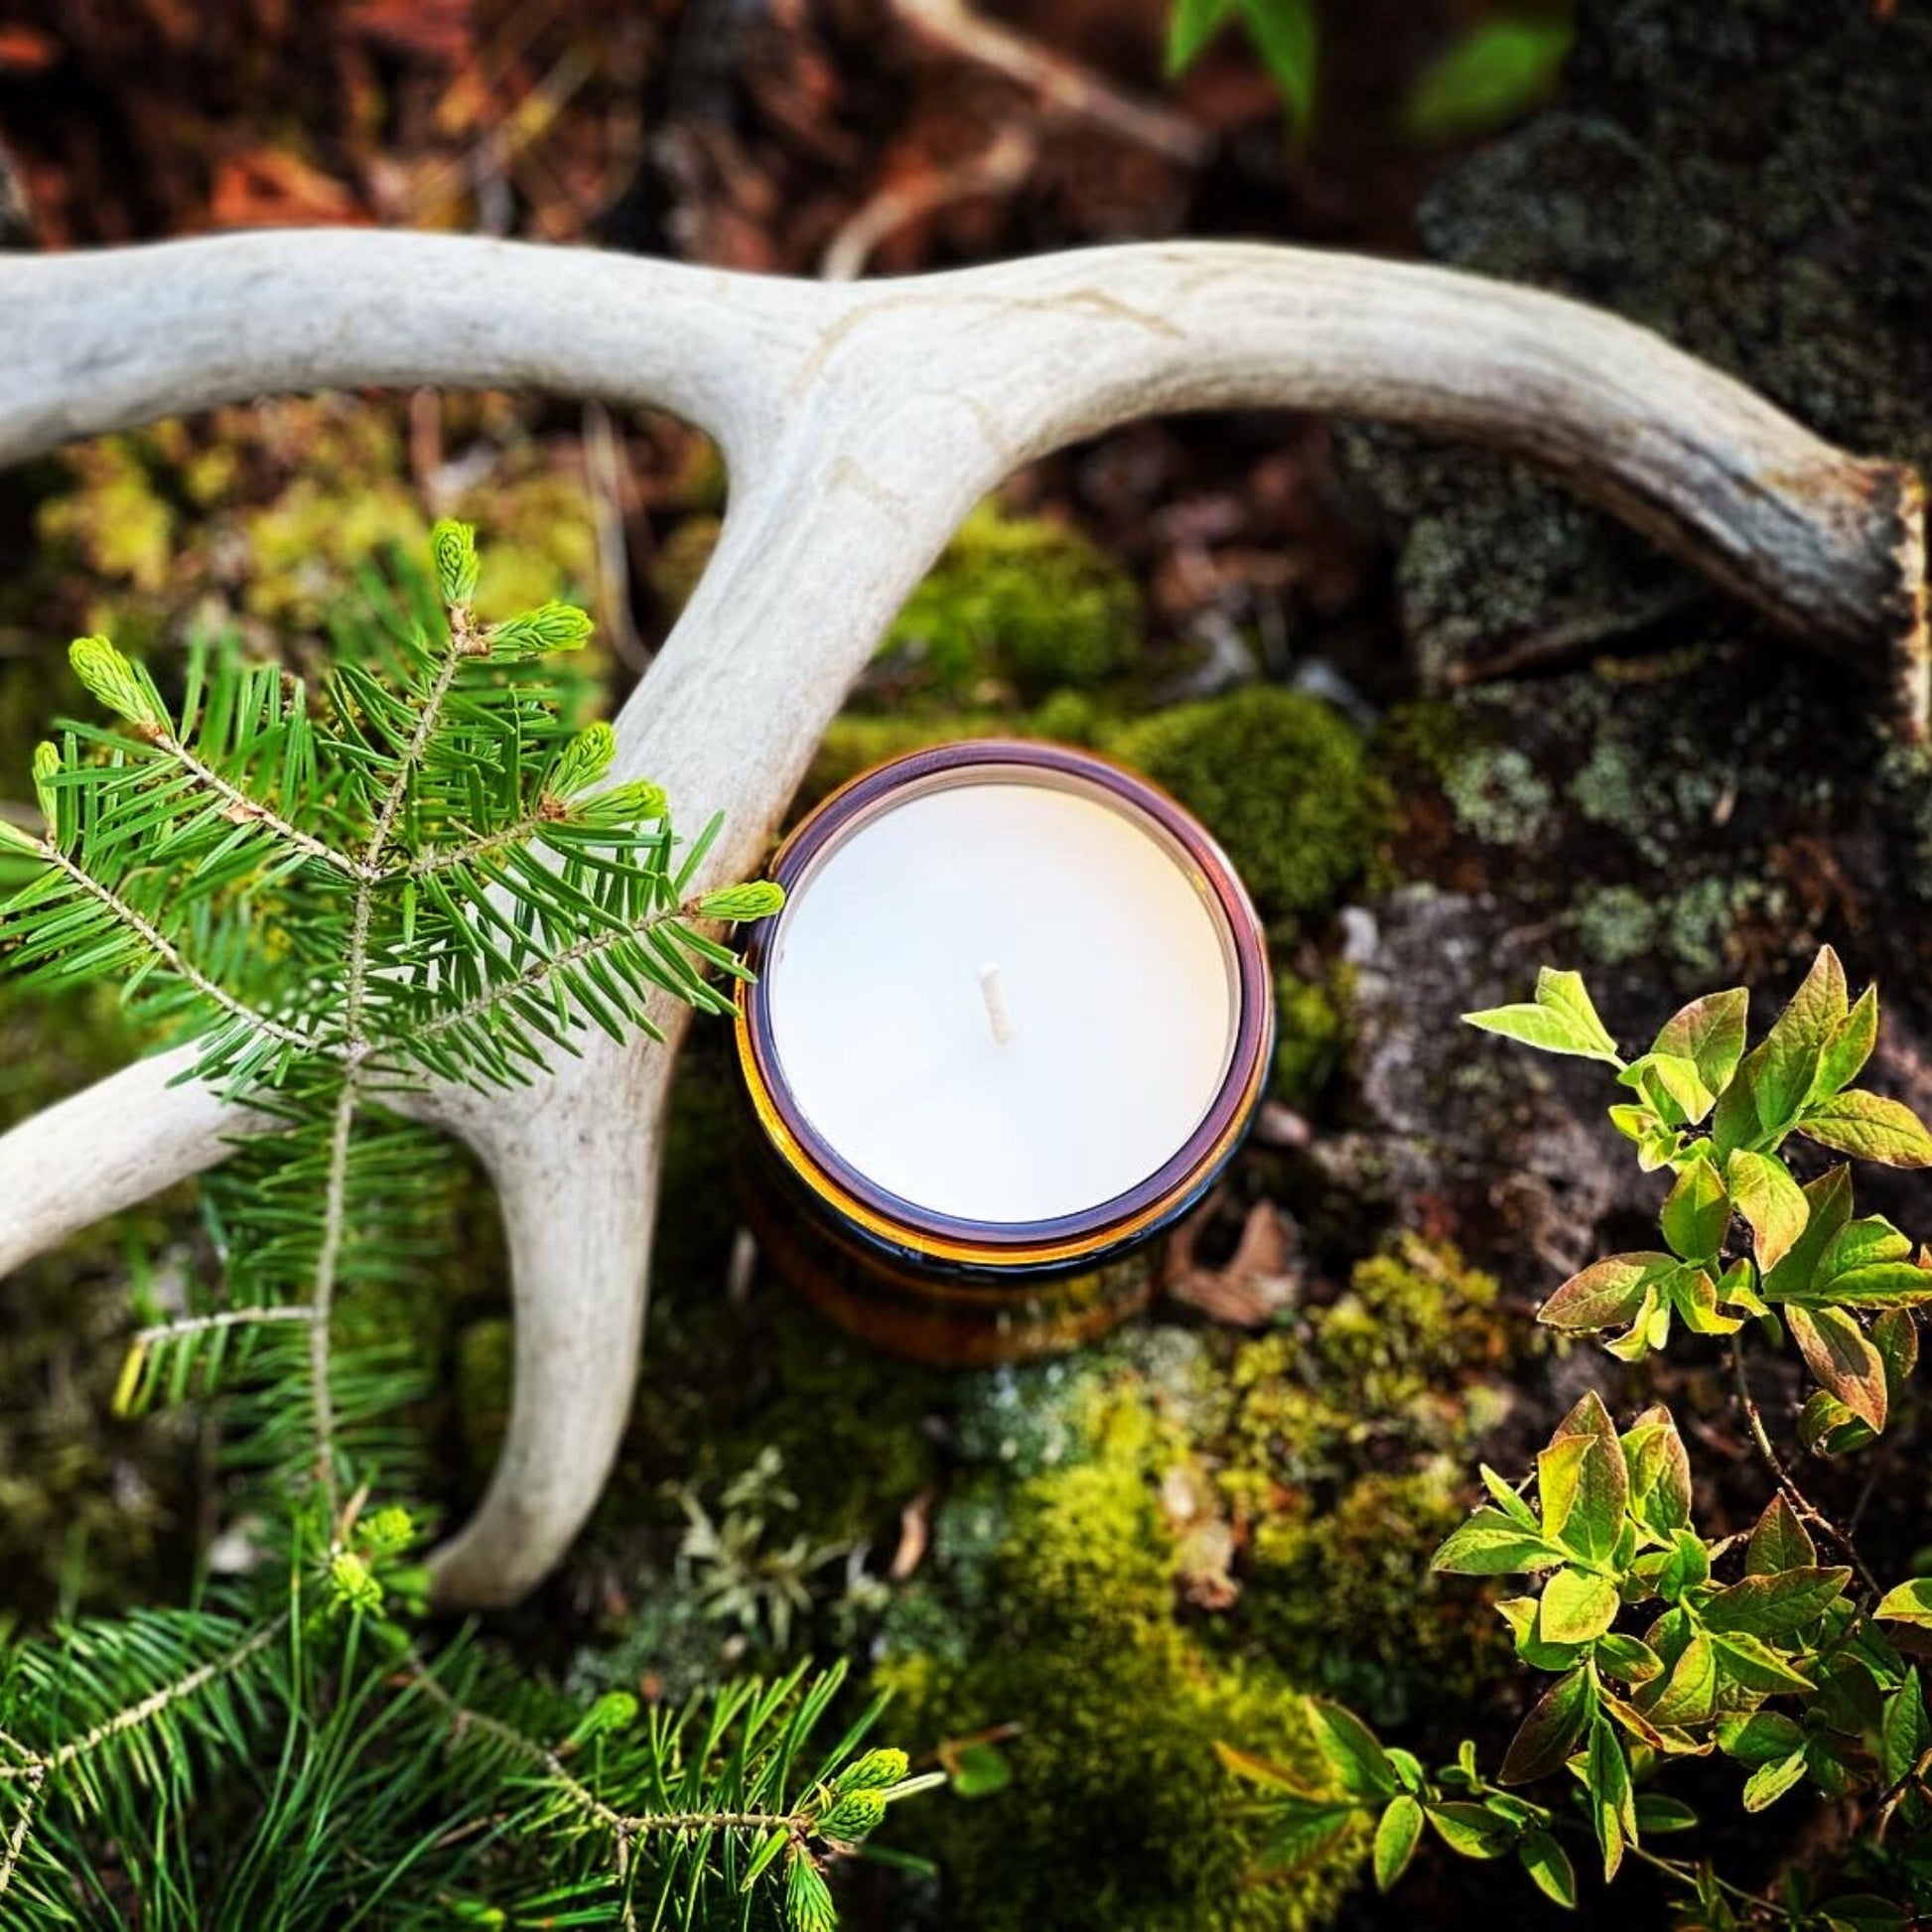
(1281, 778)
(1117, 1812)
(1158, 1546)
(1021, 601)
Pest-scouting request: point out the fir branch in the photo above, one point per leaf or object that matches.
(463, 643)
(335, 1219)
(171, 956)
(447, 857)
(196, 1324)
(16, 1841)
(625, 1827)
(38, 1765)
(251, 809)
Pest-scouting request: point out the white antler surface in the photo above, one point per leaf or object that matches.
(860, 422)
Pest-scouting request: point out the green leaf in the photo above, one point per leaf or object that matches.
(808, 1900)
(1689, 1695)
(1264, 1771)
(1847, 1047)
(1491, 1543)
(1786, 1064)
(1190, 26)
(1904, 1736)
(1747, 1660)
(119, 684)
(1352, 1751)
(1562, 1020)
(1627, 1659)
(1827, 1426)
(1778, 1605)
(1760, 1737)
(1285, 33)
(1870, 1127)
(13, 838)
(1506, 1498)
(1697, 1212)
(1549, 1864)
(1673, 1086)
(1908, 1602)
(1577, 1606)
(1554, 1727)
(1659, 1473)
(979, 1770)
(1883, 1285)
(1858, 1244)
(1709, 1032)
(1828, 1198)
(1895, 1336)
(1533, 1026)
(1396, 1834)
(1521, 1614)
(582, 762)
(1304, 1836)
(1769, 1782)
(1770, 1201)
(1693, 1295)
(1491, 73)
(1843, 1359)
(1605, 1294)
(1658, 1812)
(1606, 1778)
(1779, 1542)
(453, 546)
(1473, 1831)
(1584, 1488)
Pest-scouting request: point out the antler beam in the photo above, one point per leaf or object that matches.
(859, 423)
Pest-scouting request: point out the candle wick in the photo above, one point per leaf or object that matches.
(993, 989)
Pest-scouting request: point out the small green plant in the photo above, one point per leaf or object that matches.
(1664, 1642)
(416, 873)
(740, 1567)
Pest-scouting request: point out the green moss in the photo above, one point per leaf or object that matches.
(856, 741)
(1311, 1035)
(483, 1353)
(1279, 779)
(1018, 599)
(1226, 1524)
(267, 516)
(1117, 1812)
(115, 521)
(1346, 1450)
(1345, 1602)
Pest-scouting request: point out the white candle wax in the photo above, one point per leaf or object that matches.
(1002, 998)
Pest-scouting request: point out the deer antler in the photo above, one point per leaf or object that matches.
(859, 423)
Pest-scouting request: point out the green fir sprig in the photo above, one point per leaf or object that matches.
(413, 873)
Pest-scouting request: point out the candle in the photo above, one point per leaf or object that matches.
(1014, 1018)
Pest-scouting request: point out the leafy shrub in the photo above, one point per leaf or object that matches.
(1665, 1642)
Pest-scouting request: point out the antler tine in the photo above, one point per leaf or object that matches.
(859, 423)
